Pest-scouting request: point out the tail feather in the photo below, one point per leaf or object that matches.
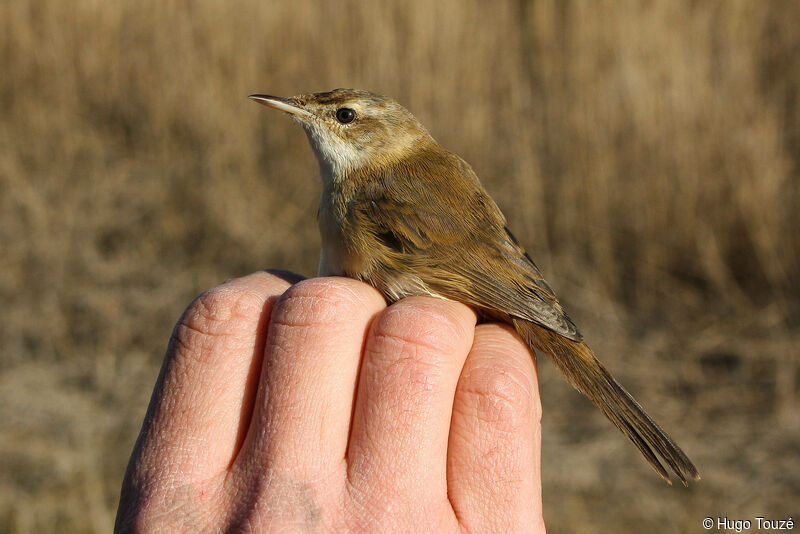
(585, 372)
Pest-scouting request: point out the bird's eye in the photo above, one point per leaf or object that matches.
(345, 115)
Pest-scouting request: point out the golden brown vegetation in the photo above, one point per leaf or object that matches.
(647, 153)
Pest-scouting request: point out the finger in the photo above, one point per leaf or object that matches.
(305, 402)
(201, 404)
(412, 360)
(494, 475)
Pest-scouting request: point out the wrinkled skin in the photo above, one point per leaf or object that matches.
(314, 407)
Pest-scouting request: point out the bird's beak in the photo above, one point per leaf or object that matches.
(283, 104)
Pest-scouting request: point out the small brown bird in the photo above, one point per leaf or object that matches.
(403, 214)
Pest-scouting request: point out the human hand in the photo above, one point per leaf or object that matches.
(314, 407)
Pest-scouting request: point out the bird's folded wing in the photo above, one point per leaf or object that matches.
(465, 254)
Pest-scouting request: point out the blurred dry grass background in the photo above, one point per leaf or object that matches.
(647, 153)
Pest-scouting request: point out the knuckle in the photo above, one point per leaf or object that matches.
(503, 396)
(320, 301)
(423, 323)
(411, 346)
(214, 319)
(218, 309)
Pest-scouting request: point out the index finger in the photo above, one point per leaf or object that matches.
(201, 405)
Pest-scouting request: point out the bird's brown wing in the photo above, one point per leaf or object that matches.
(459, 247)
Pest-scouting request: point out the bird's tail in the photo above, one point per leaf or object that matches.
(585, 372)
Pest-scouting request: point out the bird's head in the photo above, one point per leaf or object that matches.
(351, 129)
